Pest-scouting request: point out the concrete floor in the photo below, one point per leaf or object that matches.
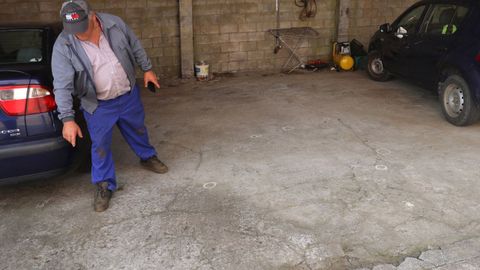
(306, 171)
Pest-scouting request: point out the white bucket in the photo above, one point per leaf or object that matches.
(201, 71)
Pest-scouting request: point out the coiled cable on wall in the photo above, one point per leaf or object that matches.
(309, 8)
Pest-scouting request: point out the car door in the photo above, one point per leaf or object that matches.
(397, 43)
(435, 38)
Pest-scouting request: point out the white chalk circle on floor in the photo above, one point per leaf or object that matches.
(409, 204)
(383, 151)
(209, 185)
(381, 168)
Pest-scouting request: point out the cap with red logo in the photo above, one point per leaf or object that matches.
(74, 15)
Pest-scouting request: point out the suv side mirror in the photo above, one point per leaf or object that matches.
(401, 32)
(385, 28)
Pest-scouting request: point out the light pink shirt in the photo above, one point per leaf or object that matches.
(109, 76)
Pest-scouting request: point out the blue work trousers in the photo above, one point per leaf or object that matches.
(127, 113)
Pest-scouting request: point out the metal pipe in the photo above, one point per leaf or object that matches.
(277, 41)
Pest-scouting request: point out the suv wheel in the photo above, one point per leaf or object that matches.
(457, 102)
(375, 69)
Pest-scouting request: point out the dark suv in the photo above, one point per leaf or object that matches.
(435, 43)
(31, 143)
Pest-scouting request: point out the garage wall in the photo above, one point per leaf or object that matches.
(232, 34)
(229, 34)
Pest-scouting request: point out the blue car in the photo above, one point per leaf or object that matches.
(436, 44)
(31, 143)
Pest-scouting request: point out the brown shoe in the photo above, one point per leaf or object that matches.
(102, 197)
(154, 164)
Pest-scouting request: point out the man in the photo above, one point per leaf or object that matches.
(94, 59)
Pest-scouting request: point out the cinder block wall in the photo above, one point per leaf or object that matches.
(229, 34)
(232, 34)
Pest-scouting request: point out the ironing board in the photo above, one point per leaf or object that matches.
(291, 39)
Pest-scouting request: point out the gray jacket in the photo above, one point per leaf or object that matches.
(72, 70)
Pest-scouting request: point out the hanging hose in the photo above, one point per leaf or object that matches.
(309, 8)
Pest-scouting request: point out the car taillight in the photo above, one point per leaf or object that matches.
(13, 99)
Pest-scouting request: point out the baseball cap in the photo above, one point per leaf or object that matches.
(74, 15)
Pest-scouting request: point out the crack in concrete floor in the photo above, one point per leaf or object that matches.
(309, 197)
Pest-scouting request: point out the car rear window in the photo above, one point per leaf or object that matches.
(21, 46)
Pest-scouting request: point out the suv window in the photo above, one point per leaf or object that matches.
(410, 20)
(21, 46)
(444, 19)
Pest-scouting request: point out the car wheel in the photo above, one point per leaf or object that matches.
(376, 69)
(458, 105)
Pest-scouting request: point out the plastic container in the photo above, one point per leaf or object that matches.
(202, 71)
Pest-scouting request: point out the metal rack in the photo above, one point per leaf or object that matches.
(291, 38)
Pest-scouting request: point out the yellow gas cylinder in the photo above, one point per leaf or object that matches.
(341, 56)
(346, 62)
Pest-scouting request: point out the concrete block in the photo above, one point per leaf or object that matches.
(26, 8)
(211, 38)
(115, 11)
(247, 27)
(116, 3)
(225, 18)
(134, 12)
(257, 36)
(147, 43)
(7, 9)
(238, 56)
(97, 4)
(155, 52)
(137, 4)
(50, 6)
(229, 28)
(256, 55)
(210, 29)
(237, 37)
(238, 65)
(248, 46)
(161, 3)
(206, 9)
(230, 47)
(209, 48)
(173, 51)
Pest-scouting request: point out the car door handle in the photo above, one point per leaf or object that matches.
(441, 49)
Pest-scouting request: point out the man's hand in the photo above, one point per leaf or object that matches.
(150, 76)
(70, 132)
